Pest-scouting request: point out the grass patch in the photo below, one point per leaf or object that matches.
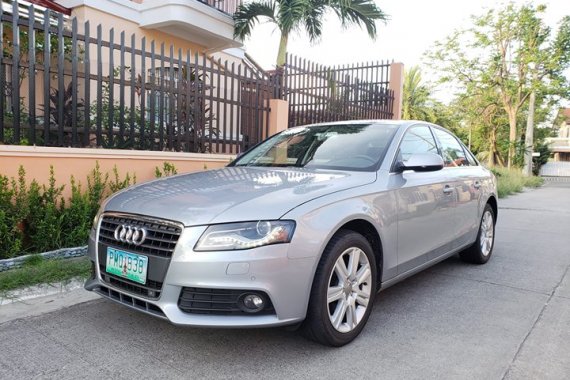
(37, 270)
(512, 181)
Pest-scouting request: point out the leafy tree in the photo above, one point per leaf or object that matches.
(294, 15)
(418, 103)
(509, 53)
(416, 97)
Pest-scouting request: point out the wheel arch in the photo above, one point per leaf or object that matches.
(492, 201)
(367, 229)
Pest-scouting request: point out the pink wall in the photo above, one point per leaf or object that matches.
(69, 162)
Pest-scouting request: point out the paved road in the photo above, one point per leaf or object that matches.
(508, 319)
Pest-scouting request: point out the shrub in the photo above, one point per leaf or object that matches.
(43, 224)
(37, 218)
(11, 236)
(96, 188)
(513, 181)
(119, 184)
(76, 218)
(168, 169)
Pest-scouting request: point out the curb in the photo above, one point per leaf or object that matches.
(65, 253)
(555, 179)
(41, 290)
(35, 304)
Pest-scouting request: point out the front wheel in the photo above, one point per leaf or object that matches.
(343, 290)
(480, 252)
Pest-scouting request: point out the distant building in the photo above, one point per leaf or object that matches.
(560, 145)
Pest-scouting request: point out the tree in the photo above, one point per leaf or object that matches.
(418, 103)
(416, 96)
(295, 15)
(548, 62)
(482, 115)
(502, 52)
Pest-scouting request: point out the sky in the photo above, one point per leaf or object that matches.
(413, 28)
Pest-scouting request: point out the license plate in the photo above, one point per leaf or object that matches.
(128, 265)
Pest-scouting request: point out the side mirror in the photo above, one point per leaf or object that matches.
(422, 162)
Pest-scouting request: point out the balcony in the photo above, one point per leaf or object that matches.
(205, 22)
(559, 144)
(208, 23)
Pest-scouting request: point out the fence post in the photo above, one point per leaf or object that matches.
(278, 116)
(397, 85)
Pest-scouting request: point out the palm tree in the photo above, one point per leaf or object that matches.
(416, 96)
(294, 15)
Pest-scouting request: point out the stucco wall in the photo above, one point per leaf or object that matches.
(69, 162)
(109, 21)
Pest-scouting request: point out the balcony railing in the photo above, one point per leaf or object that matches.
(227, 6)
(559, 142)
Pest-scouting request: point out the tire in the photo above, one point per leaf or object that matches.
(480, 252)
(353, 292)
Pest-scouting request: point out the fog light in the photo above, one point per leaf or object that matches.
(252, 303)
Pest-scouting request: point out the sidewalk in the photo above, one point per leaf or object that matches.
(41, 299)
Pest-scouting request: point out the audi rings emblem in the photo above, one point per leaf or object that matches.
(130, 234)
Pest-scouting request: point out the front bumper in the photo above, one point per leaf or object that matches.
(287, 283)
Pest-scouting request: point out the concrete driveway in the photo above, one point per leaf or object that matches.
(507, 319)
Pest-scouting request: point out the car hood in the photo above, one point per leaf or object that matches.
(233, 193)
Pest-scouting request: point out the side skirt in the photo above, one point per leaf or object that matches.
(411, 272)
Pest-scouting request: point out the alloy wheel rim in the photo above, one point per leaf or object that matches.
(487, 233)
(349, 289)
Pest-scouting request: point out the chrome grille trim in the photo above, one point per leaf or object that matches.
(162, 235)
(160, 243)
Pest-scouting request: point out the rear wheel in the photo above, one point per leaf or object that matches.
(480, 252)
(343, 290)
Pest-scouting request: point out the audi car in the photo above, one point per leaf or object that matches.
(302, 229)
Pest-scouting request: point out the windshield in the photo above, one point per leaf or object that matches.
(339, 146)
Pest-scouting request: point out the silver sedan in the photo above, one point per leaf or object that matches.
(303, 229)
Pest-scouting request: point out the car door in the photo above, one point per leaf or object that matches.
(425, 202)
(466, 181)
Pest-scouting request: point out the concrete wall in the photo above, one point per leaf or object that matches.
(75, 162)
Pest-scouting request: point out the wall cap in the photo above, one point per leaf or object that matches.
(40, 151)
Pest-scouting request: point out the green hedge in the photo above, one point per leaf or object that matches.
(510, 181)
(36, 218)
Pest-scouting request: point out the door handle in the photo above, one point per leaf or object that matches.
(477, 185)
(447, 190)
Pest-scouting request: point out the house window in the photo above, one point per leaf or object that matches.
(162, 99)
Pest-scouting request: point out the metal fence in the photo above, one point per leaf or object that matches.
(64, 84)
(319, 93)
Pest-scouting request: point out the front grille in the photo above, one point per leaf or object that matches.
(130, 301)
(160, 240)
(218, 301)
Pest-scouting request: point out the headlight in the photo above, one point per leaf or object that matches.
(245, 235)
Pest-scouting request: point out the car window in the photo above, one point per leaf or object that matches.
(452, 153)
(470, 157)
(359, 146)
(417, 140)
